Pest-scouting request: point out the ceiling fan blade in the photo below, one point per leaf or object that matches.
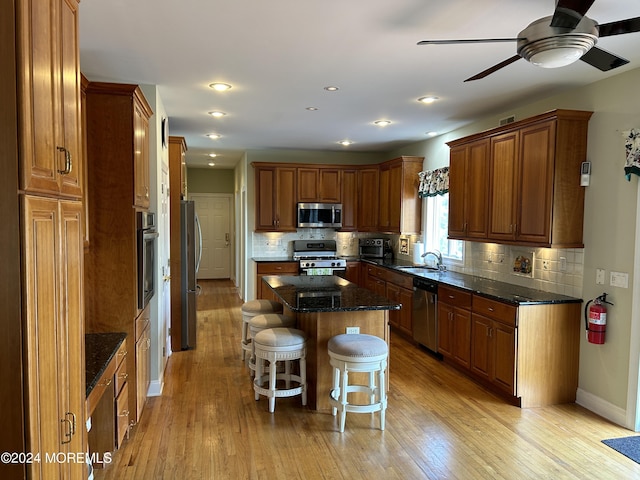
(603, 60)
(568, 13)
(629, 25)
(469, 40)
(495, 68)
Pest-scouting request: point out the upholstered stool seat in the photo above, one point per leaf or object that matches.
(358, 353)
(263, 322)
(249, 310)
(275, 345)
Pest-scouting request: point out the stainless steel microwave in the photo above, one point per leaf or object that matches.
(319, 215)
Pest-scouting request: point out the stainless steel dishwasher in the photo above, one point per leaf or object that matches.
(424, 316)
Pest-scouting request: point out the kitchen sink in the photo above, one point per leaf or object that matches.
(419, 269)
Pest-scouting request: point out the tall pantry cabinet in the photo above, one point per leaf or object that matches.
(42, 239)
(117, 117)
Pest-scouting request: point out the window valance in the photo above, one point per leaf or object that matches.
(433, 182)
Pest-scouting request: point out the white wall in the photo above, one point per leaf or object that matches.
(611, 211)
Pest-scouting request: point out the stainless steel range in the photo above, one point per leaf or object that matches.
(318, 257)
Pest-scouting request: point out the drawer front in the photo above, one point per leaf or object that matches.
(121, 354)
(502, 312)
(142, 322)
(121, 377)
(277, 268)
(104, 382)
(402, 280)
(122, 415)
(454, 296)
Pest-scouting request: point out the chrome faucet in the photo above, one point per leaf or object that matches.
(436, 253)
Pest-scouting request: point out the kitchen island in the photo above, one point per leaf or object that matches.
(324, 306)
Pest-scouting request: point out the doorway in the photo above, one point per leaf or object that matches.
(215, 211)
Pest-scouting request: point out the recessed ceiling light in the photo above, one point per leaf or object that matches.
(331, 89)
(213, 155)
(217, 114)
(213, 136)
(428, 99)
(432, 134)
(346, 143)
(382, 123)
(312, 109)
(220, 87)
(211, 164)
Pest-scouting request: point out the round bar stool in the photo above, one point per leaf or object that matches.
(358, 353)
(280, 345)
(263, 322)
(249, 310)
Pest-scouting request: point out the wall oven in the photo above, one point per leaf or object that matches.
(147, 235)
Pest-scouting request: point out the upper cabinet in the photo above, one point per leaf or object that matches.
(275, 198)
(368, 192)
(322, 184)
(118, 137)
(534, 194)
(400, 208)
(49, 99)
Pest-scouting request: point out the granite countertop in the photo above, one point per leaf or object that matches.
(99, 350)
(502, 291)
(325, 293)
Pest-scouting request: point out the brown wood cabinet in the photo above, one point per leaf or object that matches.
(177, 181)
(368, 193)
(276, 195)
(454, 325)
(349, 196)
(352, 272)
(319, 184)
(469, 175)
(400, 208)
(394, 286)
(42, 351)
(143, 362)
(116, 134)
(535, 197)
(272, 268)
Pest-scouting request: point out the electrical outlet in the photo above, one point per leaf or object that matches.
(563, 264)
(545, 264)
(351, 330)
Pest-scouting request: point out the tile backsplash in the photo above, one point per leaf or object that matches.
(552, 270)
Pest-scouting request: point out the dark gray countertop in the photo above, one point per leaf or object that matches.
(325, 293)
(503, 291)
(99, 349)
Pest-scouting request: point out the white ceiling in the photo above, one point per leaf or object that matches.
(280, 54)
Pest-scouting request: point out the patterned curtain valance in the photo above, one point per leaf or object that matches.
(433, 182)
(632, 150)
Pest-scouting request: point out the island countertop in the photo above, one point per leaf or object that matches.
(325, 293)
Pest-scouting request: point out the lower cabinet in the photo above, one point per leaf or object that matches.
(454, 325)
(143, 362)
(394, 286)
(272, 268)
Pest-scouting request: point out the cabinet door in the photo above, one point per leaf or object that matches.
(445, 329)
(536, 183)
(286, 211)
(54, 332)
(265, 198)
(392, 292)
(477, 181)
(349, 196)
(308, 184)
(330, 185)
(504, 346)
(405, 297)
(462, 336)
(384, 213)
(49, 79)
(481, 354)
(457, 191)
(352, 272)
(394, 197)
(503, 197)
(369, 191)
(143, 375)
(140, 157)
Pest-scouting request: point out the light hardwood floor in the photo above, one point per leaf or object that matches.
(439, 424)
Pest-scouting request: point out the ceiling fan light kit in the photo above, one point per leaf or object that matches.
(551, 47)
(559, 40)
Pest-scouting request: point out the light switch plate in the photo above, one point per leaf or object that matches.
(619, 279)
(599, 276)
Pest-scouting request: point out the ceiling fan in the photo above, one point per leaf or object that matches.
(560, 39)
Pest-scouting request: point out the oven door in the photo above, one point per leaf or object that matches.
(146, 266)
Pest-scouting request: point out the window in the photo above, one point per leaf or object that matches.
(436, 223)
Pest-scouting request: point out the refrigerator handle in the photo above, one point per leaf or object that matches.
(199, 243)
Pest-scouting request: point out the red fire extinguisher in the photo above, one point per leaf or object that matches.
(595, 317)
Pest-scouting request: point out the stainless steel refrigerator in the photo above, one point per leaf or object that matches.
(191, 253)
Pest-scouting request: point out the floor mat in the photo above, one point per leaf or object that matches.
(628, 446)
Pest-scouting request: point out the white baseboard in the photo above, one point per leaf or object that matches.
(603, 408)
(155, 388)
